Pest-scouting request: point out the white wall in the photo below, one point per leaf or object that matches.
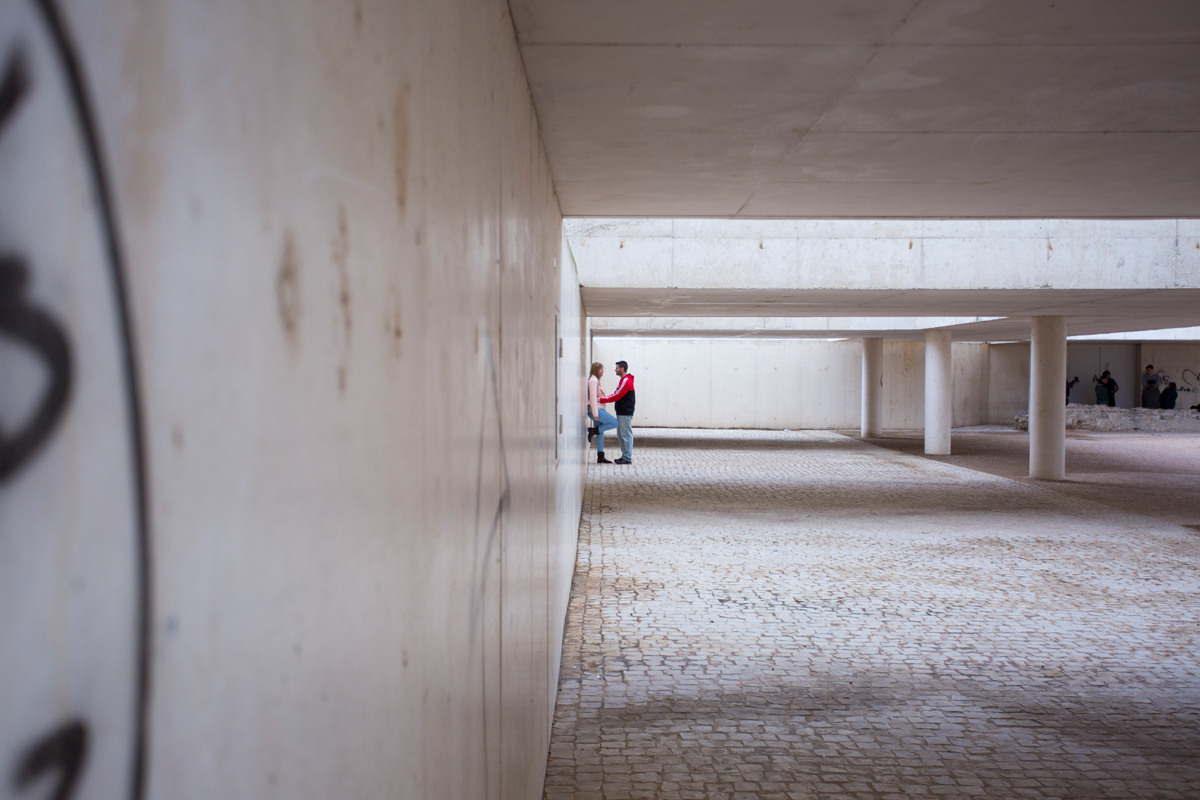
(1008, 382)
(572, 452)
(1178, 362)
(783, 383)
(343, 252)
(1088, 360)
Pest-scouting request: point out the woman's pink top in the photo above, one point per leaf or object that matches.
(594, 396)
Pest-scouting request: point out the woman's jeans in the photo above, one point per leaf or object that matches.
(607, 423)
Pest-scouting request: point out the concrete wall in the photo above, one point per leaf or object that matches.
(343, 252)
(1008, 382)
(784, 383)
(1174, 361)
(571, 454)
(1088, 360)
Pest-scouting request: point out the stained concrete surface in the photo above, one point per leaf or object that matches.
(1152, 474)
(794, 615)
(860, 108)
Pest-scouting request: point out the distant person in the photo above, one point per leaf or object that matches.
(624, 397)
(1169, 396)
(1106, 390)
(1150, 395)
(1149, 375)
(601, 419)
(1069, 385)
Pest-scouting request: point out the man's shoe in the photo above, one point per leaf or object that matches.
(591, 433)
(622, 461)
(600, 459)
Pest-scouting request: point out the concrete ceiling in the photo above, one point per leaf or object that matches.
(868, 108)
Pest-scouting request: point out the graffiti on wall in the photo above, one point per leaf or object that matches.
(75, 572)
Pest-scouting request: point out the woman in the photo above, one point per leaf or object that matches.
(601, 420)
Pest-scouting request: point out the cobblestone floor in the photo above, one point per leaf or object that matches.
(804, 615)
(1154, 474)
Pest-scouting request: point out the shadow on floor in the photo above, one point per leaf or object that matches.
(1142, 473)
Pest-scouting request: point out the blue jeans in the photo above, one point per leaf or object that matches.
(625, 435)
(606, 423)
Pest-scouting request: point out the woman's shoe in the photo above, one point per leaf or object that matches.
(591, 433)
(600, 459)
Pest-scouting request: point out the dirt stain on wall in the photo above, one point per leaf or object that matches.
(393, 325)
(340, 249)
(287, 289)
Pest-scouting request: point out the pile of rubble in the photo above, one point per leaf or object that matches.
(1106, 418)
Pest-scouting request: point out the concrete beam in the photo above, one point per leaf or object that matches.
(887, 256)
(775, 327)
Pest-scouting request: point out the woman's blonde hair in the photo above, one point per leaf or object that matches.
(596, 367)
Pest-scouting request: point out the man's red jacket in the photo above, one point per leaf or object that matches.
(625, 387)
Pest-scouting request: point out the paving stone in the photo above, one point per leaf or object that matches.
(803, 615)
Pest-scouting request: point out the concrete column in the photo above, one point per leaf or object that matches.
(872, 387)
(939, 393)
(1047, 405)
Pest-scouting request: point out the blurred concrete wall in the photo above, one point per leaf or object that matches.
(353, 321)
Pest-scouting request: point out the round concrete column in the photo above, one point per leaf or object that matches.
(939, 393)
(872, 387)
(1047, 402)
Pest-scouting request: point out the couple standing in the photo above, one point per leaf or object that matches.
(603, 421)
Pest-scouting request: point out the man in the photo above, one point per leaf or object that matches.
(1150, 396)
(623, 397)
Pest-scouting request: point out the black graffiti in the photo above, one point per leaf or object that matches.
(24, 322)
(68, 746)
(37, 330)
(64, 750)
(13, 86)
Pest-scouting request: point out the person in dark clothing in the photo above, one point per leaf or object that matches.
(1150, 395)
(1069, 385)
(1110, 387)
(1169, 396)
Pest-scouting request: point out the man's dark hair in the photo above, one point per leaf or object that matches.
(623, 365)
(1149, 366)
